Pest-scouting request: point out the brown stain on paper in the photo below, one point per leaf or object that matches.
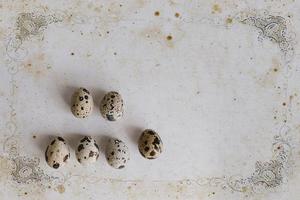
(270, 77)
(216, 8)
(229, 21)
(36, 65)
(155, 34)
(61, 189)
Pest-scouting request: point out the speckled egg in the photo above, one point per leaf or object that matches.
(117, 153)
(82, 103)
(150, 144)
(57, 153)
(111, 106)
(87, 151)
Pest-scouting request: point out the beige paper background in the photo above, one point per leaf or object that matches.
(219, 81)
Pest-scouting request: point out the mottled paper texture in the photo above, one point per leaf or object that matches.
(218, 80)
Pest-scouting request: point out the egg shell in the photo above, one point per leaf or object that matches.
(57, 153)
(87, 151)
(150, 144)
(117, 153)
(82, 103)
(112, 106)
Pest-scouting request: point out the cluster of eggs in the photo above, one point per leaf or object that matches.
(87, 152)
(117, 153)
(111, 106)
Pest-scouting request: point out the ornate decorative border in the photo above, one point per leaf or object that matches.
(266, 176)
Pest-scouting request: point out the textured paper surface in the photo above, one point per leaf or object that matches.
(218, 80)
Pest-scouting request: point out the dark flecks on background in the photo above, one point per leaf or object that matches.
(156, 13)
(177, 14)
(169, 37)
(229, 20)
(72, 54)
(216, 9)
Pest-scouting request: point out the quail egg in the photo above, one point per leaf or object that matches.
(112, 106)
(87, 151)
(57, 153)
(150, 144)
(82, 103)
(117, 153)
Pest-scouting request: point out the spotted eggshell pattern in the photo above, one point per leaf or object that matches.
(117, 153)
(82, 103)
(57, 153)
(87, 151)
(150, 144)
(112, 106)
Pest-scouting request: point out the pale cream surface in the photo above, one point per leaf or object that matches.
(218, 80)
